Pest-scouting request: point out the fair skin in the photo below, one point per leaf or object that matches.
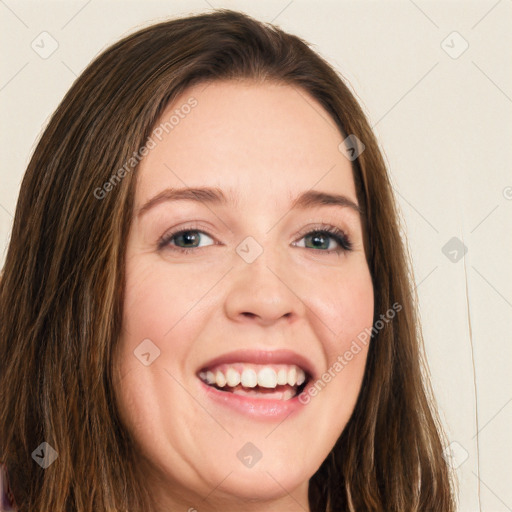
(266, 144)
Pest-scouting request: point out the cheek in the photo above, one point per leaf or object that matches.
(155, 337)
(356, 310)
(346, 304)
(348, 310)
(159, 319)
(158, 300)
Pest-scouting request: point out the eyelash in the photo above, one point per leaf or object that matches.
(343, 241)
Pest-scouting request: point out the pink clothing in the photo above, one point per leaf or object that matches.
(6, 498)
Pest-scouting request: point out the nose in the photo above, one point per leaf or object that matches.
(262, 292)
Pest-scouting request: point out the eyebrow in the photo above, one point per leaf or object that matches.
(214, 195)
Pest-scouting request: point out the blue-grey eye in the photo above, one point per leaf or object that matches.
(190, 238)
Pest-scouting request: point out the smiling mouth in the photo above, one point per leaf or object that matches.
(268, 382)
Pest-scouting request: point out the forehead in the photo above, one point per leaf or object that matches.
(257, 140)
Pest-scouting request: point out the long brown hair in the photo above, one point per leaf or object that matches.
(62, 286)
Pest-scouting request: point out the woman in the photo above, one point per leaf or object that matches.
(261, 371)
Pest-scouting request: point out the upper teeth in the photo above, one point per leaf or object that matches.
(251, 376)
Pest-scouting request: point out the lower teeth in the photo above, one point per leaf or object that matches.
(283, 393)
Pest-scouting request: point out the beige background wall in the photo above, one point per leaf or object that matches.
(443, 115)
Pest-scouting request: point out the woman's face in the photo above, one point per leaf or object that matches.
(262, 295)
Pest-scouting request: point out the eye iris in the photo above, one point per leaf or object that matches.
(189, 236)
(319, 236)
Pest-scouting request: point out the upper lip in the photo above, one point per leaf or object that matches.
(281, 356)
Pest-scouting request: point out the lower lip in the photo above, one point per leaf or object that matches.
(260, 408)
